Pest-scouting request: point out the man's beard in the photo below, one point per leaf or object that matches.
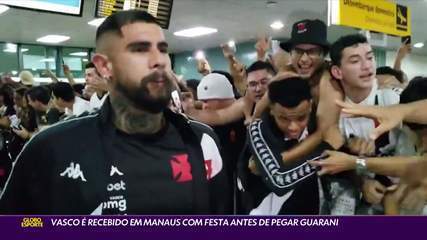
(140, 95)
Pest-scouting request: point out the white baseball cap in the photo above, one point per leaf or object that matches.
(214, 86)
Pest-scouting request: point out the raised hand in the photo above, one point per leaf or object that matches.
(387, 117)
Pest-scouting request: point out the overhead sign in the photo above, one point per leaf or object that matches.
(161, 9)
(379, 15)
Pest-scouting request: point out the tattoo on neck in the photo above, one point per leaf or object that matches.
(132, 120)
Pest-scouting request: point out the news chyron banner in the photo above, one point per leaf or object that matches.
(212, 227)
(379, 16)
(161, 9)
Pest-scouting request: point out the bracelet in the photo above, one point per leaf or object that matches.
(361, 168)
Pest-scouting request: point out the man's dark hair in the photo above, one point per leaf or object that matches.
(64, 91)
(343, 42)
(78, 88)
(40, 94)
(289, 92)
(415, 91)
(7, 96)
(390, 71)
(192, 83)
(260, 65)
(89, 65)
(116, 21)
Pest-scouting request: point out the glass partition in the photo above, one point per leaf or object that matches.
(76, 59)
(9, 59)
(37, 59)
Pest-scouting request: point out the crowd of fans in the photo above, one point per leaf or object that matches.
(287, 146)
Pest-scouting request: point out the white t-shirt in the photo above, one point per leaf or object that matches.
(95, 102)
(80, 106)
(362, 127)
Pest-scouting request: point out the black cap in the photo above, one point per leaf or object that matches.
(307, 32)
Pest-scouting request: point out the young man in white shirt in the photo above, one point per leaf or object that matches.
(353, 64)
(63, 96)
(96, 87)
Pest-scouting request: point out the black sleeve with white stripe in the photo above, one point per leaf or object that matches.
(278, 177)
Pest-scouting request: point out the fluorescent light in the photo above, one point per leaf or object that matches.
(419, 45)
(85, 60)
(231, 44)
(195, 32)
(11, 45)
(47, 60)
(53, 39)
(9, 50)
(3, 8)
(96, 22)
(277, 25)
(24, 49)
(79, 54)
(200, 55)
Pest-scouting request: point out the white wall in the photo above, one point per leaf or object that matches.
(412, 65)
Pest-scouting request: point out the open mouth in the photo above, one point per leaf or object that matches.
(304, 69)
(366, 76)
(258, 96)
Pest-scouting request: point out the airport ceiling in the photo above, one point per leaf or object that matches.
(238, 20)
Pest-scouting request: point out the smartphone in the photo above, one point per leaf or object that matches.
(406, 39)
(15, 122)
(176, 101)
(320, 157)
(17, 127)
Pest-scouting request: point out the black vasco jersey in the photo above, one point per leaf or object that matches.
(87, 166)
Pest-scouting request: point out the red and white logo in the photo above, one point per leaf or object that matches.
(181, 168)
(213, 160)
(301, 27)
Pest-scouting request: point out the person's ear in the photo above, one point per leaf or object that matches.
(336, 72)
(103, 65)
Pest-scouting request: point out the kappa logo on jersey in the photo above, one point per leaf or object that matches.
(74, 172)
(181, 168)
(115, 170)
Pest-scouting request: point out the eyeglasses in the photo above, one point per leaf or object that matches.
(312, 52)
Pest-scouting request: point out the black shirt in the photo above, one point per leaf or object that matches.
(232, 137)
(53, 115)
(150, 183)
(266, 192)
(84, 166)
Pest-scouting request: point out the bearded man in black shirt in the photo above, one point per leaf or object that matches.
(134, 156)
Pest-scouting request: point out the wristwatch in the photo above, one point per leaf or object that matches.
(361, 168)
